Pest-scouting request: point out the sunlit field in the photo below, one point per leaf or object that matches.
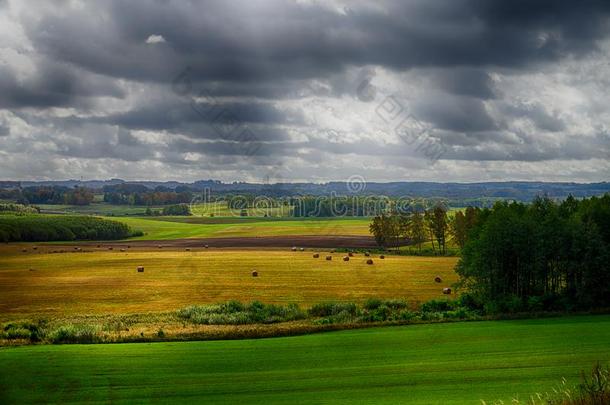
(99, 281)
(455, 363)
(192, 227)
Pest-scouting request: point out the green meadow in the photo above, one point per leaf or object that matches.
(162, 228)
(449, 363)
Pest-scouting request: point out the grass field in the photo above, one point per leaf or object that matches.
(174, 228)
(107, 282)
(423, 364)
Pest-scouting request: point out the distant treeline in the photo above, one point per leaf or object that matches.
(134, 194)
(49, 195)
(539, 256)
(43, 228)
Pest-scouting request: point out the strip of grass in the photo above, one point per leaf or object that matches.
(424, 364)
(163, 229)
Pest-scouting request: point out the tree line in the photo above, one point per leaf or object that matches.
(540, 256)
(43, 228)
(420, 226)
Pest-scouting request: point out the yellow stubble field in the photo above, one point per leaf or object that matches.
(40, 283)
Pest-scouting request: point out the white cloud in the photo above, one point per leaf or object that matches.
(155, 39)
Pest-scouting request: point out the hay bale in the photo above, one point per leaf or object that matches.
(98, 246)
(302, 249)
(294, 249)
(438, 279)
(35, 247)
(110, 248)
(188, 249)
(366, 254)
(369, 261)
(140, 269)
(122, 250)
(346, 258)
(206, 246)
(254, 273)
(332, 251)
(446, 290)
(329, 257)
(350, 254)
(160, 247)
(381, 256)
(316, 255)
(24, 250)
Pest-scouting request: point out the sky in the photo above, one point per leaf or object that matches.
(276, 91)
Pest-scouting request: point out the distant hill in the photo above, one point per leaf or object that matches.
(517, 190)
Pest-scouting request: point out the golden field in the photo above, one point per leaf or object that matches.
(39, 283)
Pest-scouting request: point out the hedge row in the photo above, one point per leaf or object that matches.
(43, 228)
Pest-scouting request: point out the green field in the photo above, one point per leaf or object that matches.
(163, 228)
(423, 364)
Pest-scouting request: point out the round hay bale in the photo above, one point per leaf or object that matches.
(332, 251)
(128, 246)
(35, 247)
(438, 279)
(98, 246)
(188, 249)
(350, 254)
(381, 256)
(140, 269)
(446, 290)
(369, 261)
(254, 273)
(122, 250)
(329, 257)
(160, 247)
(316, 255)
(346, 258)
(302, 249)
(366, 254)
(294, 249)
(24, 250)
(206, 246)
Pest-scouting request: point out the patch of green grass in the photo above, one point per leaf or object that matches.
(425, 364)
(174, 228)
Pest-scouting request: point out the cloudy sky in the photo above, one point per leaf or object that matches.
(461, 90)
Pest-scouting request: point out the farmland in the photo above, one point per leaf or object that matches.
(164, 228)
(422, 364)
(98, 281)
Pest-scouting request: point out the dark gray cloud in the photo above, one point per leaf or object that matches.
(301, 82)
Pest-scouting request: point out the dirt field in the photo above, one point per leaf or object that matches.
(97, 281)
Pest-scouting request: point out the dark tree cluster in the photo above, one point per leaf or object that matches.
(540, 256)
(43, 228)
(136, 194)
(54, 195)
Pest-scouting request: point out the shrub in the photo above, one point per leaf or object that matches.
(438, 306)
(24, 330)
(236, 313)
(75, 334)
(333, 308)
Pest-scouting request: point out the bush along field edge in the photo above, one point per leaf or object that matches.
(237, 320)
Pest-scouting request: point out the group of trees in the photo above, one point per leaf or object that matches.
(53, 195)
(544, 255)
(137, 194)
(420, 226)
(42, 228)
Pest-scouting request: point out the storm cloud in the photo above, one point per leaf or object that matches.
(316, 91)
